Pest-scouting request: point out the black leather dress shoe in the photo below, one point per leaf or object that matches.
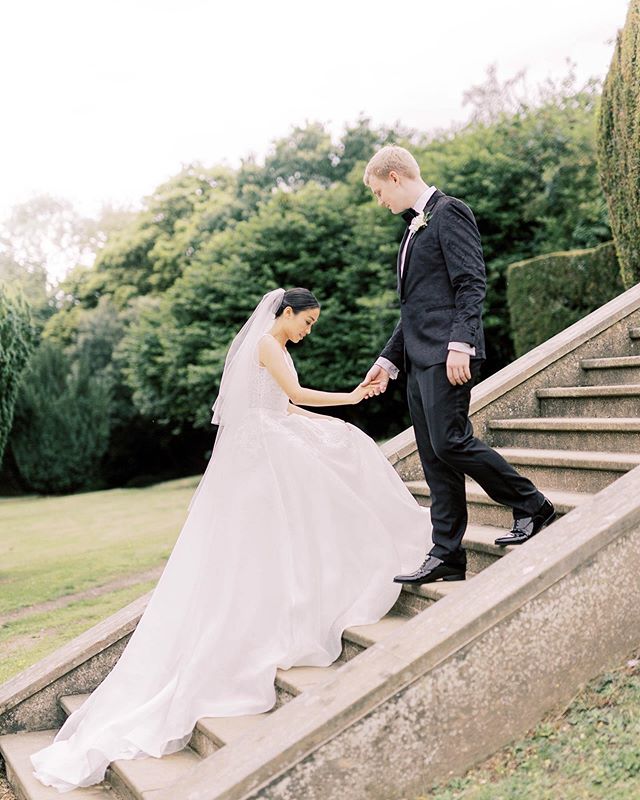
(526, 527)
(434, 569)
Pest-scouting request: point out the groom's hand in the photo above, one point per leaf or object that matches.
(377, 379)
(458, 368)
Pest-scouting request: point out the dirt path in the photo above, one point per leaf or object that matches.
(94, 591)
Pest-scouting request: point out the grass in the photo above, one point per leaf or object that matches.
(589, 751)
(56, 547)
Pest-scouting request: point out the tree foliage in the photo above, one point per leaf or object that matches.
(619, 145)
(316, 237)
(155, 313)
(61, 424)
(17, 341)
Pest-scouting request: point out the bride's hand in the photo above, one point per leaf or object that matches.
(360, 393)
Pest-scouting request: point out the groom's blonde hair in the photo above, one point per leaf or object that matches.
(391, 157)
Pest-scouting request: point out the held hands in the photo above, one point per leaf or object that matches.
(361, 392)
(458, 369)
(376, 380)
(375, 383)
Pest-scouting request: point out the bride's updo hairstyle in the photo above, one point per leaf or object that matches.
(299, 299)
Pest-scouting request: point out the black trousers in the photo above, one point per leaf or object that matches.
(448, 451)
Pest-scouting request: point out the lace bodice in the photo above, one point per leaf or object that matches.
(264, 390)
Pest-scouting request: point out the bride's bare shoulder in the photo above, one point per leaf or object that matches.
(268, 348)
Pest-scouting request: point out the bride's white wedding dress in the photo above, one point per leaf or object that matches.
(294, 533)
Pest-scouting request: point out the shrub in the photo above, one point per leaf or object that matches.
(17, 339)
(619, 145)
(61, 425)
(548, 293)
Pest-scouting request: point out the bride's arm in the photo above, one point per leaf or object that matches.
(271, 355)
(304, 413)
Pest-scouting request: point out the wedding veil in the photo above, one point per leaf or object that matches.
(232, 402)
(233, 398)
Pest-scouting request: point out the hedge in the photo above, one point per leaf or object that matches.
(548, 293)
(619, 145)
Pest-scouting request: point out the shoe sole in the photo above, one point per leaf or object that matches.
(443, 578)
(548, 521)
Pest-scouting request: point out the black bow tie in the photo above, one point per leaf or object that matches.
(409, 214)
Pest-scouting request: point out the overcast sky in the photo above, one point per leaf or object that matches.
(105, 99)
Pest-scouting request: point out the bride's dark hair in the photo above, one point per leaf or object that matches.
(299, 299)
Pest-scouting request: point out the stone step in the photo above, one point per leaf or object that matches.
(614, 370)
(219, 731)
(485, 511)
(614, 434)
(132, 778)
(211, 733)
(620, 400)
(16, 749)
(135, 779)
(571, 470)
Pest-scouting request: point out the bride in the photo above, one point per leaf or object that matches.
(294, 533)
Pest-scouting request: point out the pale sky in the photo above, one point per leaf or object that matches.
(105, 99)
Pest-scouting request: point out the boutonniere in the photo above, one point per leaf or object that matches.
(419, 221)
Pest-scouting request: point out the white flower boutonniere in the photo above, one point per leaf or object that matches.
(419, 221)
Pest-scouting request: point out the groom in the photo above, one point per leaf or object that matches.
(439, 342)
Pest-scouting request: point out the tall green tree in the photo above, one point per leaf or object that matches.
(61, 423)
(619, 145)
(17, 341)
(318, 237)
(147, 255)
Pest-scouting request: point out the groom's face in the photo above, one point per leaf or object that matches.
(391, 192)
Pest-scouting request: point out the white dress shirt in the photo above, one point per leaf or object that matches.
(461, 347)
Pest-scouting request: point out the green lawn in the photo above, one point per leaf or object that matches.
(52, 547)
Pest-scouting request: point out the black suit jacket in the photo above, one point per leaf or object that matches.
(442, 287)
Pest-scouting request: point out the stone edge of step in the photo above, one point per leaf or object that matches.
(577, 459)
(610, 362)
(612, 390)
(563, 501)
(577, 424)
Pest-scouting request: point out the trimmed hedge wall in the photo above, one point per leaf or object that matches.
(548, 293)
(619, 145)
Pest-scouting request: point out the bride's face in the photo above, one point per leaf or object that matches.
(299, 325)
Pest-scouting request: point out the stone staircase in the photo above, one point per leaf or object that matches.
(137, 779)
(583, 439)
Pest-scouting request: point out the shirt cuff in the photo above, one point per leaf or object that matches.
(389, 366)
(462, 347)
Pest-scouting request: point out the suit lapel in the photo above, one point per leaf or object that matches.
(404, 239)
(429, 206)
